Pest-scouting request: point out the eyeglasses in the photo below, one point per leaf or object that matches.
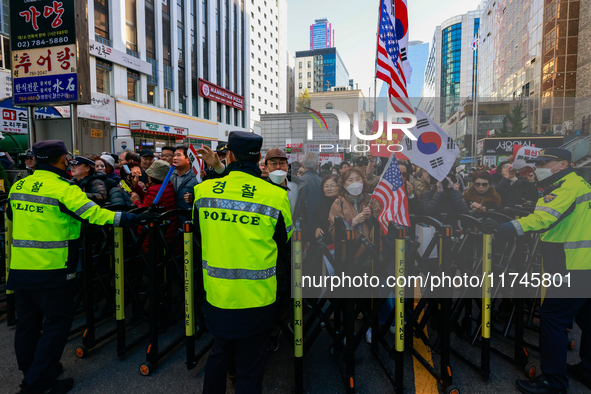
(478, 184)
(330, 186)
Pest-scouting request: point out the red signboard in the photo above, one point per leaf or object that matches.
(221, 95)
(381, 147)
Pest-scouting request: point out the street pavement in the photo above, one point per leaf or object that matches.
(102, 372)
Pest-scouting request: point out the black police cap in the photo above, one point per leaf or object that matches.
(552, 154)
(222, 147)
(146, 152)
(49, 148)
(82, 160)
(245, 143)
(28, 154)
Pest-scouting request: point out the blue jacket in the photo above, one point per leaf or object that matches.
(183, 184)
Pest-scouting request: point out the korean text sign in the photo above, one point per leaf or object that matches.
(46, 51)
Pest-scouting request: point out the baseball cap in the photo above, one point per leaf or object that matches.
(146, 152)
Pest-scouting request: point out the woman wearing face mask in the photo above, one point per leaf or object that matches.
(91, 183)
(513, 188)
(100, 166)
(119, 195)
(354, 204)
(481, 196)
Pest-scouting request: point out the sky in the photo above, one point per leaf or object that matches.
(356, 22)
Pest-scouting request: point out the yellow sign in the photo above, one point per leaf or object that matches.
(96, 133)
(44, 61)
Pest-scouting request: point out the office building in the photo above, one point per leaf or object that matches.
(321, 34)
(451, 71)
(418, 55)
(319, 70)
(268, 59)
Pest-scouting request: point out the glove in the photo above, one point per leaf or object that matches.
(507, 230)
(148, 216)
(489, 226)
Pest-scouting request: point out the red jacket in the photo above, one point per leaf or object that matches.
(168, 201)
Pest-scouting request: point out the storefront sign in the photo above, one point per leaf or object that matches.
(14, 119)
(490, 160)
(504, 146)
(157, 128)
(297, 146)
(5, 84)
(46, 64)
(220, 95)
(101, 107)
(113, 55)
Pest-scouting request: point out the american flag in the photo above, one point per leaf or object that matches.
(390, 193)
(389, 62)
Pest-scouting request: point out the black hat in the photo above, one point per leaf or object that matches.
(362, 161)
(50, 148)
(146, 152)
(222, 147)
(82, 160)
(245, 143)
(552, 154)
(28, 154)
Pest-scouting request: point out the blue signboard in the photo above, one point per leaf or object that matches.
(45, 88)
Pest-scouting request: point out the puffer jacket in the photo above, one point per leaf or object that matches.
(118, 196)
(434, 203)
(491, 199)
(168, 201)
(516, 192)
(94, 187)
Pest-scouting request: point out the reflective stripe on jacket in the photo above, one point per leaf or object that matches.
(46, 212)
(564, 213)
(243, 211)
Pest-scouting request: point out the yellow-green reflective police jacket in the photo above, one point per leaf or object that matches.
(238, 216)
(565, 213)
(46, 210)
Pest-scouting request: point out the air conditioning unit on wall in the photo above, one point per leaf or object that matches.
(558, 129)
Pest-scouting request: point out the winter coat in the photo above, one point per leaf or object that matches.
(94, 187)
(321, 218)
(419, 185)
(516, 192)
(343, 207)
(118, 196)
(110, 180)
(314, 194)
(183, 184)
(434, 203)
(167, 200)
(297, 200)
(490, 199)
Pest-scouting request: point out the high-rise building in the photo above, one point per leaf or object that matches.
(268, 59)
(321, 34)
(418, 55)
(529, 52)
(319, 70)
(451, 72)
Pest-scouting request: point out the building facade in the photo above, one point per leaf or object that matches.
(318, 70)
(268, 59)
(451, 71)
(541, 67)
(418, 55)
(321, 34)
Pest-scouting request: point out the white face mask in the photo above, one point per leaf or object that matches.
(355, 188)
(277, 176)
(543, 173)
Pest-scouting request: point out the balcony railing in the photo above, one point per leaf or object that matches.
(102, 40)
(168, 77)
(132, 53)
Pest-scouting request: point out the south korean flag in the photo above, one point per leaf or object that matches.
(434, 150)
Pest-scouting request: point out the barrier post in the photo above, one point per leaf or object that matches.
(486, 305)
(89, 335)
(189, 291)
(399, 310)
(298, 321)
(155, 307)
(119, 289)
(10, 306)
(446, 306)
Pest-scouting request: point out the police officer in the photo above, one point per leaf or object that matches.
(562, 215)
(46, 209)
(253, 216)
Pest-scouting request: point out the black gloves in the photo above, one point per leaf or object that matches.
(148, 216)
(489, 226)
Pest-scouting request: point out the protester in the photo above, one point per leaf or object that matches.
(167, 154)
(183, 179)
(481, 196)
(420, 182)
(443, 197)
(110, 168)
(82, 169)
(146, 158)
(119, 195)
(414, 204)
(513, 189)
(329, 186)
(263, 168)
(314, 193)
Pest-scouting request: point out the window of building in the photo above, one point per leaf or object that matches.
(265, 76)
(259, 85)
(259, 111)
(219, 113)
(206, 113)
(265, 88)
(252, 42)
(309, 64)
(133, 82)
(252, 68)
(252, 28)
(103, 76)
(252, 55)
(265, 65)
(259, 73)
(265, 16)
(130, 25)
(151, 94)
(265, 101)
(252, 81)
(228, 119)
(309, 85)
(300, 76)
(167, 99)
(259, 99)
(300, 85)
(309, 75)
(252, 108)
(101, 18)
(150, 30)
(204, 24)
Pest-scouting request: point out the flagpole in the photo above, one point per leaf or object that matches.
(375, 71)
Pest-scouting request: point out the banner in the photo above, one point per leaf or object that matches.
(521, 152)
(380, 146)
(197, 163)
(434, 150)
